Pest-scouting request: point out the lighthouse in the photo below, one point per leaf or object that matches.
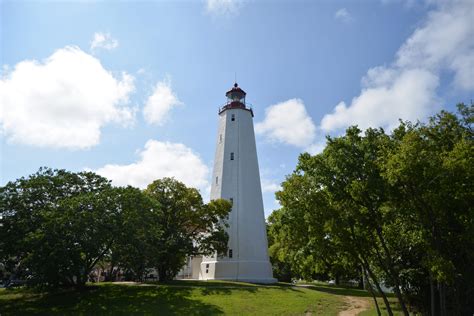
(236, 178)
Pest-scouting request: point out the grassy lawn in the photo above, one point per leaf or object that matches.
(183, 298)
(176, 298)
(346, 291)
(373, 312)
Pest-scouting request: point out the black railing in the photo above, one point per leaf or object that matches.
(236, 105)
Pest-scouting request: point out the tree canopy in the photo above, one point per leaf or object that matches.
(57, 226)
(395, 208)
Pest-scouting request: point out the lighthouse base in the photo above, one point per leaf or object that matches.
(242, 271)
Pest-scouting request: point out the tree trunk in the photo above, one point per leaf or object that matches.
(442, 299)
(112, 273)
(361, 279)
(81, 280)
(377, 285)
(432, 296)
(392, 271)
(365, 264)
(163, 275)
(371, 290)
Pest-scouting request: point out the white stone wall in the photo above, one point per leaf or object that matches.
(239, 179)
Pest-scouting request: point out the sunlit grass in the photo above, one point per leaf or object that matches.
(349, 291)
(175, 298)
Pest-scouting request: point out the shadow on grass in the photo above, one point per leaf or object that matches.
(204, 283)
(338, 290)
(109, 299)
(225, 287)
(217, 283)
(172, 298)
(396, 309)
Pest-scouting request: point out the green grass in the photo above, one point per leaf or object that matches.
(393, 304)
(348, 291)
(175, 298)
(336, 290)
(182, 298)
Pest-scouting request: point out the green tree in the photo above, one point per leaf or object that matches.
(431, 171)
(282, 269)
(185, 226)
(56, 225)
(136, 234)
(399, 206)
(340, 194)
(298, 237)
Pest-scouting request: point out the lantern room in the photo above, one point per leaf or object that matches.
(235, 100)
(236, 95)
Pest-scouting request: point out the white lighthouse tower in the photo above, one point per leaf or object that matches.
(236, 178)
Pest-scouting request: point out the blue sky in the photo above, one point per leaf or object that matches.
(131, 89)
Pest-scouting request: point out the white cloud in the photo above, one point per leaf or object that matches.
(407, 88)
(343, 15)
(316, 147)
(289, 123)
(270, 186)
(160, 103)
(158, 160)
(408, 95)
(104, 41)
(63, 101)
(223, 7)
(445, 41)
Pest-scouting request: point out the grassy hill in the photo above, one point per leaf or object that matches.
(180, 298)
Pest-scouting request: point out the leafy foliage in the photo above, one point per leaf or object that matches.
(188, 226)
(57, 226)
(397, 208)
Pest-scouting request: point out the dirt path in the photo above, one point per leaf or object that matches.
(355, 305)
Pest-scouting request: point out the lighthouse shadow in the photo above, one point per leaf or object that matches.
(229, 288)
(337, 290)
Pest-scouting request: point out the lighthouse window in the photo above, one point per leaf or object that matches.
(230, 253)
(220, 138)
(231, 201)
(231, 156)
(232, 117)
(217, 180)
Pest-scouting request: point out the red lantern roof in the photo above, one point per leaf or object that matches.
(237, 91)
(235, 99)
